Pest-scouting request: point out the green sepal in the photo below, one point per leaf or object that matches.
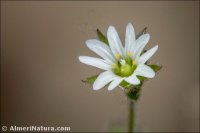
(141, 78)
(156, 68)
(102, 37)
(144, 31)
(90, 80)
(133, 93)
(144, 51)
(125, 84)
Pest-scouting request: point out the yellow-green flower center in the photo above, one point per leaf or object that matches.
(124, 67)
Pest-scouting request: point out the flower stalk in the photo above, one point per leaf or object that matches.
(131, 125)
(133, 94)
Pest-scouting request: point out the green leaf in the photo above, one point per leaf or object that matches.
(144, 31)
(156, 68)
(102, 37)
(90, 80)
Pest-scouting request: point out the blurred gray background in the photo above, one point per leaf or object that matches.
(41, 74)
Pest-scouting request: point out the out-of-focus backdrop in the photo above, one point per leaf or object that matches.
(41, 74)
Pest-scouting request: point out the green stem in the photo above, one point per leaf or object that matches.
(131, 117)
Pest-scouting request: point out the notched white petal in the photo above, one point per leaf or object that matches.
(96, 62)
(115, 42)
(129, 39)
(141, 42)
(103, 79)
(115, 83)
(145, 71)
(100, 49)
(132, 80)
(147, 55)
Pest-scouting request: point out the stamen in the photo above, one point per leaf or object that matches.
(129, 54)
(134, 62)
(118, 56)
(116, 68)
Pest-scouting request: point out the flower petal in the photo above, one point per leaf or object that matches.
(144, 70)
(146, 56)
(140, 44)
(96, 62)
(103, 79)
(115, 83)
(129, 39)
(115, 42)
(132, 79)
(100, 49)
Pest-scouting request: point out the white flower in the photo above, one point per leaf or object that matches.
(120, 63)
